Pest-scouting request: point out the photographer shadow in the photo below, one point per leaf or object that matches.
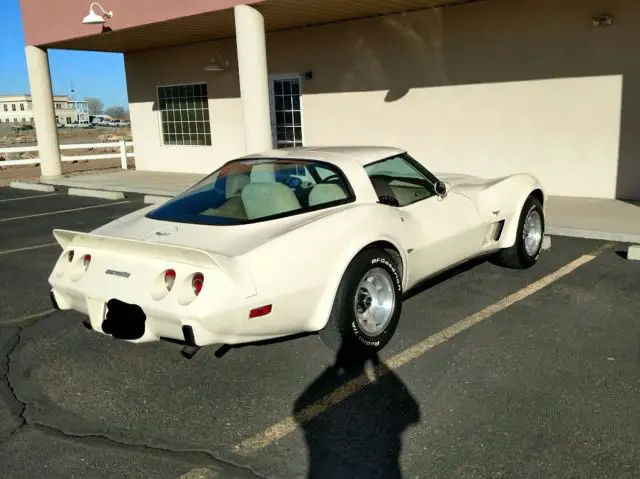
(353, 420)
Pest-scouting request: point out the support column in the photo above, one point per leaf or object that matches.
(43, 111)
(254, 78)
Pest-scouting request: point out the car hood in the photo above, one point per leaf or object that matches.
(232, 240)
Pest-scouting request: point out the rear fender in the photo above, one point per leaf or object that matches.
(322, 311)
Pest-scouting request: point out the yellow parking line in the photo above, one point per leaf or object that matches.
(288, 425)
(200, 473)
(48, 213)
(20, 198)
(28, 248)
(29, 317)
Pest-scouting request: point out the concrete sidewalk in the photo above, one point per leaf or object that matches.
(611, 220)
(131, 181)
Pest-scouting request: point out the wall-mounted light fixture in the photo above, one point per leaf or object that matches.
(93, 18)
(217, 64)
(604, 20)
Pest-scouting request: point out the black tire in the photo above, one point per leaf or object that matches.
(516, 257)
(343, 333)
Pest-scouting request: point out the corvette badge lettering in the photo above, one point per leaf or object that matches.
(120, 274)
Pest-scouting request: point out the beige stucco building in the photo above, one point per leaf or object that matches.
(486, 87)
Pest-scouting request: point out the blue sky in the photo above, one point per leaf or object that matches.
(91, 73)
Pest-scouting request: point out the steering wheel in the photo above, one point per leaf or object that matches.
(330, 178)
(293, 182)
(388, 200)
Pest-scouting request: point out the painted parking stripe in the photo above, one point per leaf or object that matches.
(28, 248)
(104, 205)
(29, 317)
(28, 197)
(200, 473)
(287, 426)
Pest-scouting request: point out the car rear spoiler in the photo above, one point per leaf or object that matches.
(170, 252)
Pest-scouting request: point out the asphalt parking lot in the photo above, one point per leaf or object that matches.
(492, 373)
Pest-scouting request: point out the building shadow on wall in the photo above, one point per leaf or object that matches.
(494, 42)
(498, 42)
(360, 436)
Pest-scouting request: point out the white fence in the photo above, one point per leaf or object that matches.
(122, 154)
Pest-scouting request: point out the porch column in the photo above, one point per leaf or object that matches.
(43, 111)
(254, 78)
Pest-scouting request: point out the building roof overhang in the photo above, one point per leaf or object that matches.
(136, 29)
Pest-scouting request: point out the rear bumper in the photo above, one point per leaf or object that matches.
(231, 326)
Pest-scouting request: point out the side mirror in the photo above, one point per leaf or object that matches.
(440, 188)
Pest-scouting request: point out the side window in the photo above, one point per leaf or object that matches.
(397, 182)
(324, 173)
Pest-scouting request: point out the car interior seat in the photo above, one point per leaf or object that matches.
(263, 173)
(235, 183)
(382, 187)
(267, 199)
(325, 193)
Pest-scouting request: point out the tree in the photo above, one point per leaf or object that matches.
(95, 105)
(116, 112)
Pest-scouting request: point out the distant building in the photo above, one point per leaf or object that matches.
(18, 109)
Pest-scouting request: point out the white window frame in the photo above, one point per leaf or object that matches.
(159, 114)
(284, 76)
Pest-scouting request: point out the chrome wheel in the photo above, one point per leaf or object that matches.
(374, 302)
(532, 232)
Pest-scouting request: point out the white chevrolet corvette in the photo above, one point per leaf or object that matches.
(298, 240)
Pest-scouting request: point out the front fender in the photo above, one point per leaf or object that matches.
(522, 186)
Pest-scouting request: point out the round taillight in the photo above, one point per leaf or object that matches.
(70, 256)
(197, 282)
(169, 279)
(86, 261)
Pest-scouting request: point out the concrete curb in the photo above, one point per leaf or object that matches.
(155, 199)
(546, 242)
(633, 253)
(90, 185)
(594, 234)
(21, 185)
(107, 195)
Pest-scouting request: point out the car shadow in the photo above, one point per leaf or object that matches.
(446, 275)
(353, 422)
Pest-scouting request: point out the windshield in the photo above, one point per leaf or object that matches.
(258, 189)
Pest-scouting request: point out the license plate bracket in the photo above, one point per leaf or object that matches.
(123, 320)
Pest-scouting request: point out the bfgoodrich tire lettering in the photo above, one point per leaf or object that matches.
(345, 330)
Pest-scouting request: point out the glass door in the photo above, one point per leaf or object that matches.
(286, 112)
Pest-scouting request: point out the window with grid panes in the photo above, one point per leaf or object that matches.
(184, 111)
(288, 115)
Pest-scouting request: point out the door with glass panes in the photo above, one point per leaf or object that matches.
(286, 113)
